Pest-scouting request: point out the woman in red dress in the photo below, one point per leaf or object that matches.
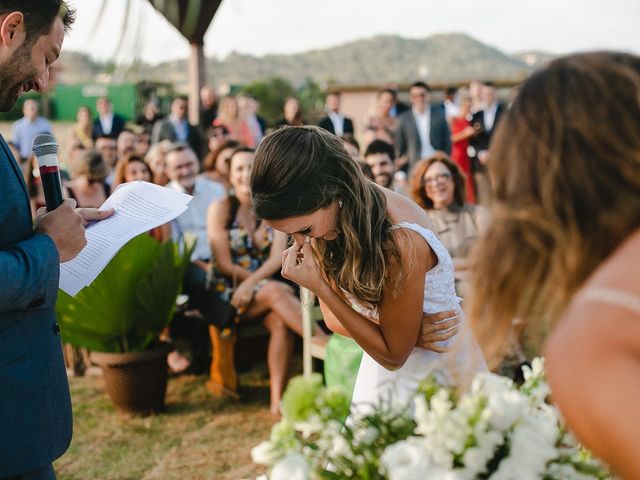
(461, 131)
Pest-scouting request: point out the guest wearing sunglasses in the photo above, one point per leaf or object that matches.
(438, 186)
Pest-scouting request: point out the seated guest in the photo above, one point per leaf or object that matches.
(215, 136)
(379, 156)
(247, 254)
(130, 168)
(88, 186)
(125, 143)
(182, 170)
(438, 186)
(156, 159)
(216, 163)
(106, 146)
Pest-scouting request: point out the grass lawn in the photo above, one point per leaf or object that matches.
(197, 437)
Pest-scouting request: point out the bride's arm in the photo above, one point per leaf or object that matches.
(390, 342)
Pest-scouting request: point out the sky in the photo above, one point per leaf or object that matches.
(260, 27)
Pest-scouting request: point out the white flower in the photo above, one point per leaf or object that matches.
(366, 436)
(310, 426)
(491, 384)
(532, 447)
(292, 467)
(475, 459)
(406, 461)
(504, 408)
(340, 448)
(265, 453)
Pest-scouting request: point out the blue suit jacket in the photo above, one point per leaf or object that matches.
(35, 406)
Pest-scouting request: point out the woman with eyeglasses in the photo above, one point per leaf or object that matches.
(438, 186)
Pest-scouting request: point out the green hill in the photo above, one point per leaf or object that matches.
(378, 60)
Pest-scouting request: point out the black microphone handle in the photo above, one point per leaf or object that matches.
(52, 187)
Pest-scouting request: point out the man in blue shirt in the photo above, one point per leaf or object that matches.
(28, 127)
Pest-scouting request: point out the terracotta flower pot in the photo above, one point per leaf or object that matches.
(136, 382)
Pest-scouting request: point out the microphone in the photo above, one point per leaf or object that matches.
(45, 148)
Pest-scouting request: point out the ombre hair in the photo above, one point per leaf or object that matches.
(298, 170)
(417, 190)
(564, 167)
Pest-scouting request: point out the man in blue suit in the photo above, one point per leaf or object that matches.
(35, 408)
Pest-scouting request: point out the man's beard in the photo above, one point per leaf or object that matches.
(384, 180)
(14, 73)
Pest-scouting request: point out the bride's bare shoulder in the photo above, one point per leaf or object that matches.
(403, 209)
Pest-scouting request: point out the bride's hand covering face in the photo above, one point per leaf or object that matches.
(299, 266)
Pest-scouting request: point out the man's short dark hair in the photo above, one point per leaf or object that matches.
(380, 146)
(39, 15)
(420, 84)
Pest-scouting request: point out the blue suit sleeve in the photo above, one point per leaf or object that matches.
(29, 274)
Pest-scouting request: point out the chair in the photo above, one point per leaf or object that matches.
(312, 347)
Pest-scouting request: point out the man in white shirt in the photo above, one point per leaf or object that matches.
(107, 124)
(182, 170)
(335, 122)
(422, 130)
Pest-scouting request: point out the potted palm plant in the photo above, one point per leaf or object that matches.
(120, 316)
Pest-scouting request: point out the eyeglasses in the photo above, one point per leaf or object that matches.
(441, 177)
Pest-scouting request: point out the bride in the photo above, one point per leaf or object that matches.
(370, 256)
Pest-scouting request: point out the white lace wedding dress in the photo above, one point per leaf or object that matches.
(458, 365)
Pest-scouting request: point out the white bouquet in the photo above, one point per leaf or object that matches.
(496, 431)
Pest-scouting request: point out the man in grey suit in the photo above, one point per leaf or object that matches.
(176, 128)
(35, 408)
(422, 130)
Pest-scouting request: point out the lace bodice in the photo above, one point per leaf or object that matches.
(439, 288)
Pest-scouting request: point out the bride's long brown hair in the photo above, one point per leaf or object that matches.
(298, 170)
(565, 170)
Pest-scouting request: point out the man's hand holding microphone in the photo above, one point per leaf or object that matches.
(60, 220)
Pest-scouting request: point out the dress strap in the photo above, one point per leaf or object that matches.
(612, 296)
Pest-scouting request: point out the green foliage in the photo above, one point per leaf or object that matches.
(130, 302)
(273, 93)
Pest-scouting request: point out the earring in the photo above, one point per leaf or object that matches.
(340, 203)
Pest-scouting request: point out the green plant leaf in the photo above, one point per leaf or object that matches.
(107, 315)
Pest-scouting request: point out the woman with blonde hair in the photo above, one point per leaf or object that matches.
(246, 255)
(370, 256)
(564, 242)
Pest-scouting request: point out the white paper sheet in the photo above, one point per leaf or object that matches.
(139, 207)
